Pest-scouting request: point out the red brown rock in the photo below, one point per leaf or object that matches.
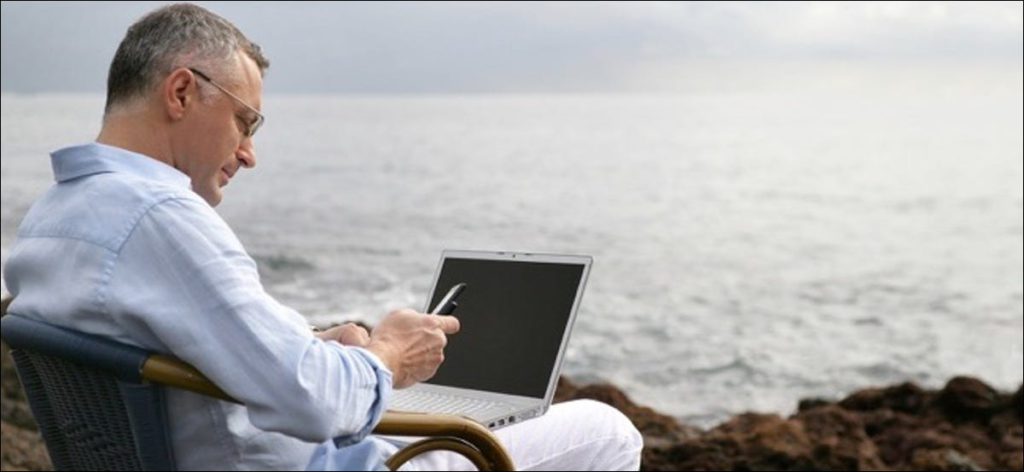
(965, 426)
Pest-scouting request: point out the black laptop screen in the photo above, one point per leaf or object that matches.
(513, 317)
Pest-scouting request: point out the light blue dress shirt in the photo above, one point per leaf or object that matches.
(122, 247)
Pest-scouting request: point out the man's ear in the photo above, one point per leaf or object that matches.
(178, 92)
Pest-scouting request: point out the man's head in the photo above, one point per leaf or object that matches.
(184, 87)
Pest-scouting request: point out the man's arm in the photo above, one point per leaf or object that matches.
(183, 282)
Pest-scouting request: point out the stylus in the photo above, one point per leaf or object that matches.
(447, 305)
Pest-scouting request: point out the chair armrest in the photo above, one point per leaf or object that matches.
(453, 433)
(481, 439)
(172, 372)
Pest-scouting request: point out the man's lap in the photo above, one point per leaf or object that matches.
(576, 435)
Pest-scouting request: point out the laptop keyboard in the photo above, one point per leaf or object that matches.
(445, 404)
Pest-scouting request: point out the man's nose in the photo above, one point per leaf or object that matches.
(246, 153)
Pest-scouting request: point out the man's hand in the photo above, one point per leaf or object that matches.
(412, 344)
(349, 334)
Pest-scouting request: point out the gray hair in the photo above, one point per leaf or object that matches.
(160, 41)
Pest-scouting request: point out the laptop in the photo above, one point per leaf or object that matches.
(516, 311)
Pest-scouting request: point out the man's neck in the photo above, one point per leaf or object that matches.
(132, 131)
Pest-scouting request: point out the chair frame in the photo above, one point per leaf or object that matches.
(442, 432)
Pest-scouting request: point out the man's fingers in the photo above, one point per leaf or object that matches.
(449, 324)
(354, 335)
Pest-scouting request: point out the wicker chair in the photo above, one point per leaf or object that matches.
(100, 404)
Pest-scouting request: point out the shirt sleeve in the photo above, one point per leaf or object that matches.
(183, 281)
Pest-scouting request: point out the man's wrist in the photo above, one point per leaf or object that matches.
(385, 353)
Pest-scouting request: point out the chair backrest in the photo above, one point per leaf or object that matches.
(94, 409)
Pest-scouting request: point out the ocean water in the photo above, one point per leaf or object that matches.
(751, 248)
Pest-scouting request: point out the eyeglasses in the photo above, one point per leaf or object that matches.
(253, 125)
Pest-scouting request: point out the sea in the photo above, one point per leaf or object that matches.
(751, 246)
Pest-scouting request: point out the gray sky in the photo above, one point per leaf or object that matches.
(516, 47)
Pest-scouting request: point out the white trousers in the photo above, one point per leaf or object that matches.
(576, 435)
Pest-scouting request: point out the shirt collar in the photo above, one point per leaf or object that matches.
(95, 158)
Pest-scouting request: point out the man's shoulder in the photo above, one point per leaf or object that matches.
(100, 209)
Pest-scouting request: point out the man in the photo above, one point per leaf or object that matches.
(127, 245)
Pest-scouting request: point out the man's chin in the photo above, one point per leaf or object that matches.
(212, 195)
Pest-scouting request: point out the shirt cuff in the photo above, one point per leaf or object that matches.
(380, 405)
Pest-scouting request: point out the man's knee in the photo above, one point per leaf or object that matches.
(610, 421)
(616, 443)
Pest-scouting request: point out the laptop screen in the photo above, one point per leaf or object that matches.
(513, 315)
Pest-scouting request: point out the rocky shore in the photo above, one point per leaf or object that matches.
(965, 426)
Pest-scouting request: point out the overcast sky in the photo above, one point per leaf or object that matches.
(516, 47)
